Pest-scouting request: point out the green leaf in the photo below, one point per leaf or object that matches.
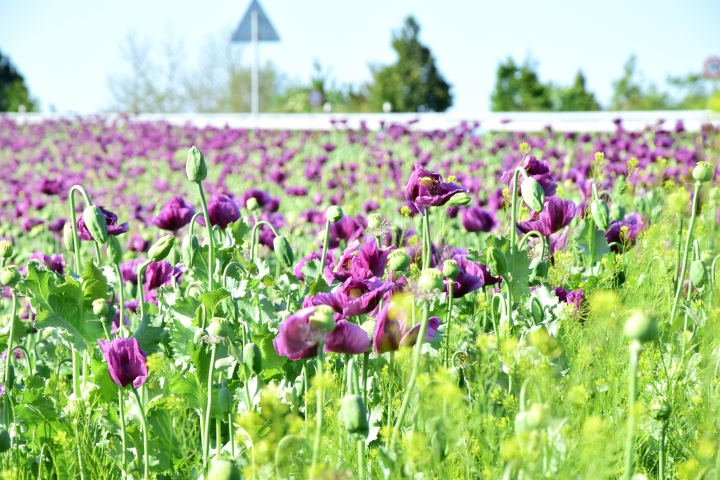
(519, 273)
(584, 238)
(311, 271)
(184, 309)
(272, 362)
(94, 284)
(212, 301)
(108, 388)
(191, 391)
(149, 333)
(39, 284)
(238, 230)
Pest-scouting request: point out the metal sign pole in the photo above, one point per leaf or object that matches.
(255, 70)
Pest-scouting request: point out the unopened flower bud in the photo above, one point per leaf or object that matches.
(450, 268)
(431, 279)
(458, 200)
(703, 172)
(642, 327)
(190, 245)
(334, 214)
(225, 400)
(252, 358)
(96, 223)
(195, 167)
(68, 235)
(224, 469)
(10, 276)
(323, 319)
(283, 251)
(698, 273)
(533, 194)
(161, 248)
(354, 415)
(114, 250)
(398, 261)
(6, 249)
(617, 212)
(252, 204)
(100, 307)
(600, 213)
(496, 261)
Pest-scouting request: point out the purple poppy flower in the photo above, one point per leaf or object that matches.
(126, 361)
(28, 224)
(576, 297)
(49, 187)
(222, 211)
(54, 262)
(412, 208)
(329, 261)
(136, 243)
(116, 322)
(174, 215)
(624, 232)
(354, 297)
(17, 353)
(159, 274)
(426, 188)
(561, 293)
(263, 198)
(112, 227)
(472, 276)
(129, 270)
(393, 329)
(57, 225)
(556, 215)
(347, 228)
(347, 338)
(361, 262)
(477, 219)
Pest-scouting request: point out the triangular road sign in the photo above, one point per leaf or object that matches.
(266, 32)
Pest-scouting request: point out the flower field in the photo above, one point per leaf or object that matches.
(184, 302)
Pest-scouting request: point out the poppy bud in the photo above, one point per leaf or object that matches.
(398, 261)
(533, 194)
(96, 223)
(100, 307)
(10, 276)
(298, 389)
(334, 214)
(600, 213)
(354, 415)
(459, 199)
(537, 416)
(5, 443)
(252, 358)
(161, 248)
(496, 260)
(225, 400)
(431, 279)
(450, 268)
(458, 374)
(114, 250)
(224, 469)
(538, 269)
(323, 319)
(218, 327)
(617, 212)
(195, 167)
(252, 204)
(6, 249)
(374, 221)
(190, 245)
(536, 311)
(660, 409)
(284, 251)
(521, 423)
(68, 235)
(703, 172)
(698, 273)
(642, 327)
(438, 432)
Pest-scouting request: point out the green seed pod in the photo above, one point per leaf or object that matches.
(496, 261)
(252, 358)
(533, 194)
(642, 327)
(283, 251)
(600, 213)
(459, 199)
(431, 279)
(538, 268)
(334, 214)
(5, 442)
(521, 423)
(398, 261)
(219, 327)
(537, 416)
(100, 307)
(95, 223)
(68, 235)
(114, 250)
(10, 276)
(6, 249)
(190, 245)
(161, 248)
(660, 409)
(537, 311)
(298, 389)
(698, 273)
(374, 221)
(195, 167)
(617, 212)
(252, 204)
(224, 469)
(703, 172)
(439, 431)
(225, 400)
(354, 415)
(323, 319)
(450, 268)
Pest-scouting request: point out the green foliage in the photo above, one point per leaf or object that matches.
(413, 83)
(576, 98)
(14, 93)
(630, 94)
(518, 89)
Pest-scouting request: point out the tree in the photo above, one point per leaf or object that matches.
(576, 98)
(630, 94)
(413, 83)
(518, 89)
(14, 94)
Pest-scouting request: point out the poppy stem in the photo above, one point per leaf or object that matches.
(121, 405)
(211, 237)
(141, 288)
(121, 307)
(253, 237)
(427, 245)
(206, 432)
(661, 450)
(8, 386)
(320, 403)
(326, 242)
(683, 265)
(635, 349)
(146, 466)
(447, 321)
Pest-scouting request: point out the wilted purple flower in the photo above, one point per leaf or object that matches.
(126, 361)
(54, 262)
(129, 270)
(175, 214)
(112, 227)
(159, 274)
(426, 188)
(394, 329)
(222, 211)
(556, 215)
(472, 276)
(477, 219)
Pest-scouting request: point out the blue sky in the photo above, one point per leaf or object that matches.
(67, 49)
